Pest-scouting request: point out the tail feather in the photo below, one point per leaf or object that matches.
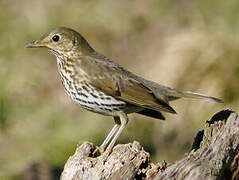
(174, 94)
(152, 113)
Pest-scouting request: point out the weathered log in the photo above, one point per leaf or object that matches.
(214, 155)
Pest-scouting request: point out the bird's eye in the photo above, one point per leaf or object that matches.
(56, 38)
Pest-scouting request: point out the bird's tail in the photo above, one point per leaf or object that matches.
(174, 94)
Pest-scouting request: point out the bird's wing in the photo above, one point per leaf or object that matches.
(113, 80)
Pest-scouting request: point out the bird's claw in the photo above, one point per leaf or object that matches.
(100, 151)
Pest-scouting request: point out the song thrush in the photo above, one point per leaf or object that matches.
(98, 84)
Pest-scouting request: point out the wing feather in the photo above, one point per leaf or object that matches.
(115, 81)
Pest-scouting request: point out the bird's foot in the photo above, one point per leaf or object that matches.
(100, 151)
(106, 154)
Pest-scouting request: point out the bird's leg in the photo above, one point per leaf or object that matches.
(111, 133)
(123, 121)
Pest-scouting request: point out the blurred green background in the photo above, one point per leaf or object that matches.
(190, 45)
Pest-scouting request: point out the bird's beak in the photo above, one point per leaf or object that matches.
(36, 44)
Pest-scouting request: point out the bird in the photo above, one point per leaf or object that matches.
(100, 85)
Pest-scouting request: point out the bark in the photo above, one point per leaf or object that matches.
(214, 156)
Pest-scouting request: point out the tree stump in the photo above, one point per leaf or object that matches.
(214, 156)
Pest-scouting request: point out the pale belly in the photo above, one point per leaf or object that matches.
(91, 98)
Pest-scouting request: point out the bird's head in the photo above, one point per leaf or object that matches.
(62, 40)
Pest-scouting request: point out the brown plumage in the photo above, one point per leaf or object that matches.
(101, 85)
